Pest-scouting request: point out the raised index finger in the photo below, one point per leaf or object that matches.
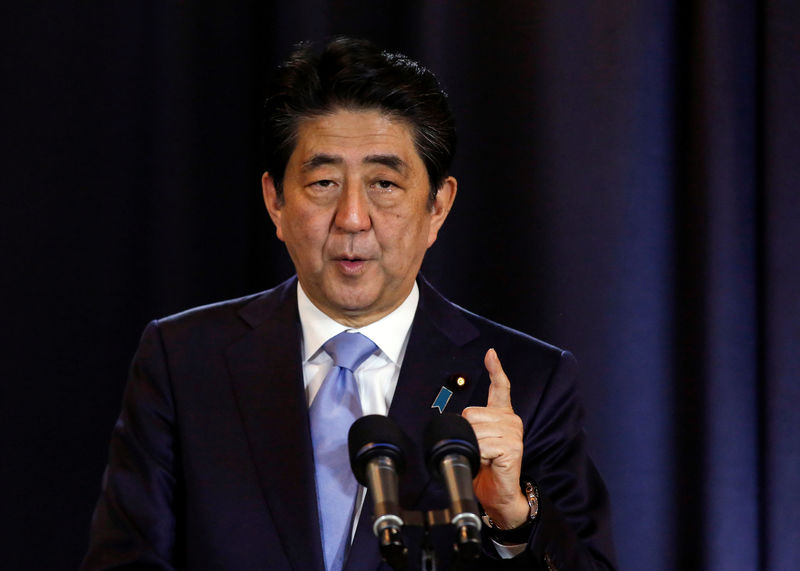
(500, 387)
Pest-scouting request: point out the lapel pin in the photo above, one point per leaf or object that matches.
(457, 382)
(442, 399)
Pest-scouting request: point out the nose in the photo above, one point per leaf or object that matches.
(352, 210)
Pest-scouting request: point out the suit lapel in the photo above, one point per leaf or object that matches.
(266, 373)
(439, 348)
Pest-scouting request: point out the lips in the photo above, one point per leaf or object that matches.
(351, 265)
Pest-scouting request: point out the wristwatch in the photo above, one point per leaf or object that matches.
(521, 533)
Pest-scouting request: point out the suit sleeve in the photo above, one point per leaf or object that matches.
(134, 523)
(572, 529)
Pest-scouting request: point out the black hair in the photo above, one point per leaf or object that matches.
(355, 74)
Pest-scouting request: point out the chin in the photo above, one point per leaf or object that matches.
(354, 300)
(354, 304)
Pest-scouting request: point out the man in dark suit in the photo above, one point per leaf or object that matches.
(216, 461)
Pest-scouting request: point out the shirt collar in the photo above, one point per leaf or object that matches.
(388, 333)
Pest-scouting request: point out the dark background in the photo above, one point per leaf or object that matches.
(628, 190)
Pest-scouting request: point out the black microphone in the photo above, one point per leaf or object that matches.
(452, 453)
(377, 456)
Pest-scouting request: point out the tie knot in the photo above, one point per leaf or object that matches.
(349, 350)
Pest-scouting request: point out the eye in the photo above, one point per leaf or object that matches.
(323, 184)
(384, 185)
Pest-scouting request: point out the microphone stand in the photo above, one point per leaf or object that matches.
(467, 544)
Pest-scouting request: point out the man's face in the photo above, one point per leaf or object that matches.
(355, 215)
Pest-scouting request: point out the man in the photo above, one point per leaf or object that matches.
(223, 457)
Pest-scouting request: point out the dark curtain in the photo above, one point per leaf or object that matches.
(628, 190)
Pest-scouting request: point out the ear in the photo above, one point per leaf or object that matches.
(441, 207)
(273, 202)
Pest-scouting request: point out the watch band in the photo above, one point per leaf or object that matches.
(521, 533)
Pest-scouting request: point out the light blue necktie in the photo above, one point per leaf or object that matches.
(334, 409)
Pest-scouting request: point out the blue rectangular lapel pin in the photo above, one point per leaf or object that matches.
(442, 399)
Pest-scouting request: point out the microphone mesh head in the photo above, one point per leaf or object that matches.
(450, 434)
(375, 435)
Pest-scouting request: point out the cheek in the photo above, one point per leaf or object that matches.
(306, 227)
(391, 229)
(305, 238)
(402, 236)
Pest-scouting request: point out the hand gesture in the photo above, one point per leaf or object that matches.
(499, 434)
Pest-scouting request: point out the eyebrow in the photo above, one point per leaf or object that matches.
(392, 161)
(319, 160)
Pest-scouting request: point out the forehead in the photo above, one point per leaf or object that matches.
(353, 135)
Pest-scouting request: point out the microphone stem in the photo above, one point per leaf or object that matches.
(457, 476)
(382, 478)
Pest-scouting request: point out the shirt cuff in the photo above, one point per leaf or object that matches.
(509, 551)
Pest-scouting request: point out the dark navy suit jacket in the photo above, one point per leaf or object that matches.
(211, 464)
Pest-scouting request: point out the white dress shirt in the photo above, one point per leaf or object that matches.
(377, 375)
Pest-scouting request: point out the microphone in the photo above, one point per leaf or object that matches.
(377, 456)
(452, 454)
